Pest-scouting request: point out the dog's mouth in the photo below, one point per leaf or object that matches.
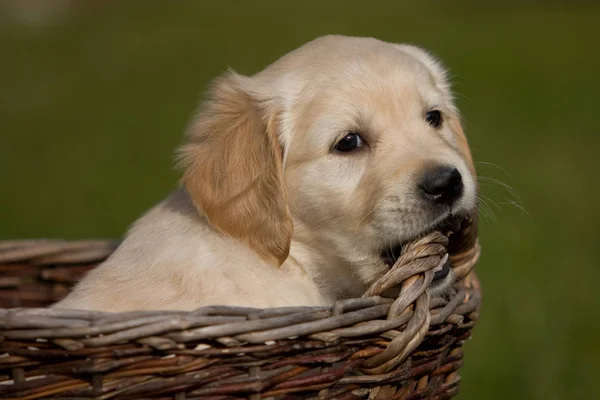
(391, 254)
(442, 271)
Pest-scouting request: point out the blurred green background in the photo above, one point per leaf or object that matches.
(95, 97)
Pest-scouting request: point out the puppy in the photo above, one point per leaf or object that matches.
(299, 186)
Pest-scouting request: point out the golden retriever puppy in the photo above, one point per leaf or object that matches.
(300, 183)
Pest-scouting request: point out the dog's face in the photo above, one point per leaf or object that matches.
(355, 142)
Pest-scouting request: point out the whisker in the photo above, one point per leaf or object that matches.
(483, 211)
(487, 199)
(519, 206)
(486, 210)
(508, 188)
(495, 166)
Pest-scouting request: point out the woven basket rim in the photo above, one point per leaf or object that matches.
(375, 335)
(273, 323)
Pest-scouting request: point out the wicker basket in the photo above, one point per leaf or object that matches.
(371, 347)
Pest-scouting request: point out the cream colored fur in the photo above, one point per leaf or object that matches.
(267, 213)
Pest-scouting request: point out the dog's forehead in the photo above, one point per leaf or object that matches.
(369, 66)
(333, 61)
(336, 81)
(363, 94)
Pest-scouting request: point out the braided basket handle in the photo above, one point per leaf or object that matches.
(413, 272)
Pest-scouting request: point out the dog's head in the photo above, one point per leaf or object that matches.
(353, 142)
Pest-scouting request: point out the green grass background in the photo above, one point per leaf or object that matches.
(93, 104)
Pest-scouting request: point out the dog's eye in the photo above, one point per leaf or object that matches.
(434, 118)
(350, 142)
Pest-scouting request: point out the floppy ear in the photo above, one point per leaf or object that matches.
(233, 169)
(464, 241)
(462, 143)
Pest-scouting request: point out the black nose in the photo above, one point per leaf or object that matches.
(442, 184)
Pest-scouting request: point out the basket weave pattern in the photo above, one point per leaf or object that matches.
(373, 347)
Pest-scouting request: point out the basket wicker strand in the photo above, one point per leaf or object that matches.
(375, 347)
